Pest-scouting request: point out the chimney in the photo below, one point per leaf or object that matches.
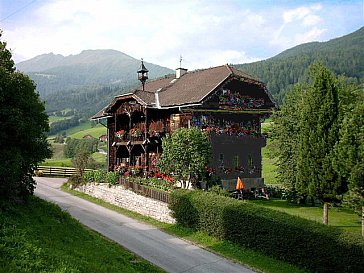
(156, 97)
(180, 72)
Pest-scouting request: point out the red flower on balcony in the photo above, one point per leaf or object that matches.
(120, 134)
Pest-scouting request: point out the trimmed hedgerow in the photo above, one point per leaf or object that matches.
(308, 244)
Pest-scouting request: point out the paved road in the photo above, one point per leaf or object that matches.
(168, 252)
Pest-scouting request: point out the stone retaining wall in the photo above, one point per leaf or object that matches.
(127, 199)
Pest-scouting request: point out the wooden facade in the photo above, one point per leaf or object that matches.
(222, 101)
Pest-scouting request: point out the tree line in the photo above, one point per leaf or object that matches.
(74, 146)
(318, 138)
(63, 125)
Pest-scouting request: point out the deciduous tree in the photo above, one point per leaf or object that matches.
(186, 153)
(23, 123)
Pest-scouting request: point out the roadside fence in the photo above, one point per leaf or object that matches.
(146, 191)
(56, 171)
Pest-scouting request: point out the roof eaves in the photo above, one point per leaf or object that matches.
(100, 115)
(251, 79)
(229, 68)
(213, 89)
(125, 94)
(138, 99)
(245, 75)
(187, 104)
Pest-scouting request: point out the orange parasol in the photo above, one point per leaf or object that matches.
(239, 184)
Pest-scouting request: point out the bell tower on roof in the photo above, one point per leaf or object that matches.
(142, 74)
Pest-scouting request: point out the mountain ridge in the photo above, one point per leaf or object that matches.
(100, 67)
(36, 64)
(343, 55)
(93, 77)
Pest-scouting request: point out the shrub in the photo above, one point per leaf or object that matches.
(112, 178)
(296, 240)
(89, 176)
(217, 189)
(99, 176)
(75, 180)
(157, 183)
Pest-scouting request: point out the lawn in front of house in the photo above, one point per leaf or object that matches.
(338, 216)
(269, 168)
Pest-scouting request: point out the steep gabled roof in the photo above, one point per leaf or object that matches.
(191, 88)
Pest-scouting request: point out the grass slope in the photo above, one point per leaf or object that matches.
(57, 118)
(40, 237)
(58, 159)
(95, 132)
(83, 129)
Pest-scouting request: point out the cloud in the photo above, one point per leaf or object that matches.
(295, 14)
(300, 13)
(299, 25)
(205, 33)
(311, 20)
(309, 36)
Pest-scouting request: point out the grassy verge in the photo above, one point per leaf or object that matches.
(39, 237)
(227, 249)
(269, 169)
(338, 217)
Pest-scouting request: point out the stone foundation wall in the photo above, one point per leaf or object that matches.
(127, 199)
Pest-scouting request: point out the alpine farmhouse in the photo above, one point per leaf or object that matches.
(224, 102)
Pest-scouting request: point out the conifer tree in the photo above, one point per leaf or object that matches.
(284, 138)
(319, 131)
(349, 154)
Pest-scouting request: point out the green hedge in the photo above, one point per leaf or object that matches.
(311, 245)
(99, 176)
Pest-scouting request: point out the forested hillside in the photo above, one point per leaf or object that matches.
(85, 101)
(83, 84)
(89, 69)
(344, 55)
(87, 82)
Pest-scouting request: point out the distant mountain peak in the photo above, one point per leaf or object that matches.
(91, 67)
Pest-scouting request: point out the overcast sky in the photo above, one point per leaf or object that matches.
(206, 33)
